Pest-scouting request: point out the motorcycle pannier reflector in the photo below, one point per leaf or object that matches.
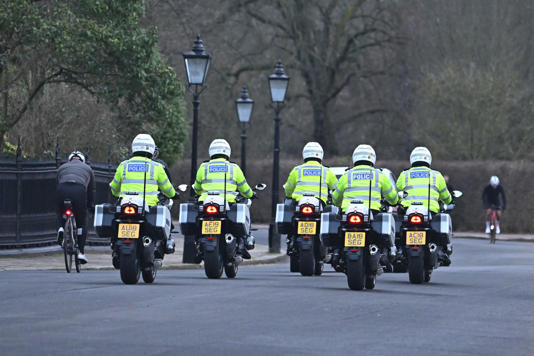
(103, 222)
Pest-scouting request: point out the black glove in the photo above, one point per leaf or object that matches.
(254, 195)
(176, 196)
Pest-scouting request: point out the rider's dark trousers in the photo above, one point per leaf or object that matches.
(77, 194)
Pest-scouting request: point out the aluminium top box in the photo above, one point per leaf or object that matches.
(188, 218)
(284, 218)
(103, 220)
(384, 224)
(158, 222)
(239, 216)
(442, 224)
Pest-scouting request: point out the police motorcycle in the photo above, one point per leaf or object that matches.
(224, 230)
(301, 222)
(138, 233)
(424, 239)
(358, 242)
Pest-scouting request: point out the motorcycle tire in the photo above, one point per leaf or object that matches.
(130, 268)
(149, 274)
(213, 264)
(231, 270)
(294, 263)
(319, 265)
(306, 262)
(356, 274)
(370, 281)
(416, 270)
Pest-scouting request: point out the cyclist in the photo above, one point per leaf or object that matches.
(492, 201)
(75, 182)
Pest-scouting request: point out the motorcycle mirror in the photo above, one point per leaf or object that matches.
(182, 187)
(260, 186)
(402, 194)
(457, 193)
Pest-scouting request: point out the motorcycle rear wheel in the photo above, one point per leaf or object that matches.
(130, 269)
(231, 270)
(356, 274)
(294, 263)
(416, 270)
(306, 262)
(213, 264)
(370, 281)
(149, 274)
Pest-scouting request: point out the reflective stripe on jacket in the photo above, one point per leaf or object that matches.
(416, 180)
(355, 185)
(312, 178)
(130, 177)
(211, 177)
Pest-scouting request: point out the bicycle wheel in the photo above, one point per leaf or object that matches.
(68, 244)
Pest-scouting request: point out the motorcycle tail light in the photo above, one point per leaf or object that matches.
(416, 219)
(355, 219)
(212, 209)
(129, 210)
(68, 212)
(307, 210)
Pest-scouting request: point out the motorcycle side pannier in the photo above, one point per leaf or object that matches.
(188, 218)
(284, 217)
(384, 224)
(239, 216)
(442, 224)
(103, 222)
(159, 222)
(330, 223)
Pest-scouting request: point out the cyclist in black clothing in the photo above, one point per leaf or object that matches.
(75, 182)
(493, 197)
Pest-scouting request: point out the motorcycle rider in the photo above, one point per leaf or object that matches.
(354, 184)
(416, 181)
(75, 182)
(490, 199)
(130, 177)
(210, 178)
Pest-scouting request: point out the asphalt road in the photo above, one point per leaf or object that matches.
(483, 304)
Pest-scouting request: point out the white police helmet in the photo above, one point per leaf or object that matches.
(220, 146)
(312, 150)
(421, 154)
(143, 143)
(364, 153)
(494, 180)
(77, 154)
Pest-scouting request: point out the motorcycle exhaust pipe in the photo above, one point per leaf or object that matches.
(432, 247)
(373, 249)
(229, 238)
(146, 241)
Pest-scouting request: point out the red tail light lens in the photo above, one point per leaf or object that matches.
(68, 212)
(416, 219)
(355, 219)
(129, 210)
(307, 210)
(212, 209)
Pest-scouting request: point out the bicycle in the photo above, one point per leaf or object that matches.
(493, 224)
(70, 238)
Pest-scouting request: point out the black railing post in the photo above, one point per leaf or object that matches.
(19, 189)
(274, 236)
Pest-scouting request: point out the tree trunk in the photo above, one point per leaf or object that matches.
(323, 132)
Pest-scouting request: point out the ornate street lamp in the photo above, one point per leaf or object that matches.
(278, 84)
(244, 105)
(197, 63)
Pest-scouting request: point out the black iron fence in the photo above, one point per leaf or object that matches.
(27, 199)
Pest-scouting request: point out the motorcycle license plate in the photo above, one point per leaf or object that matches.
(128, 231)
(354, 239)
(415, 237)
(211, 227)
(306, 228)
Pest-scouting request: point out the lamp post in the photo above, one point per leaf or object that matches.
(197, 63)
(278, 84)
(244, 105)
